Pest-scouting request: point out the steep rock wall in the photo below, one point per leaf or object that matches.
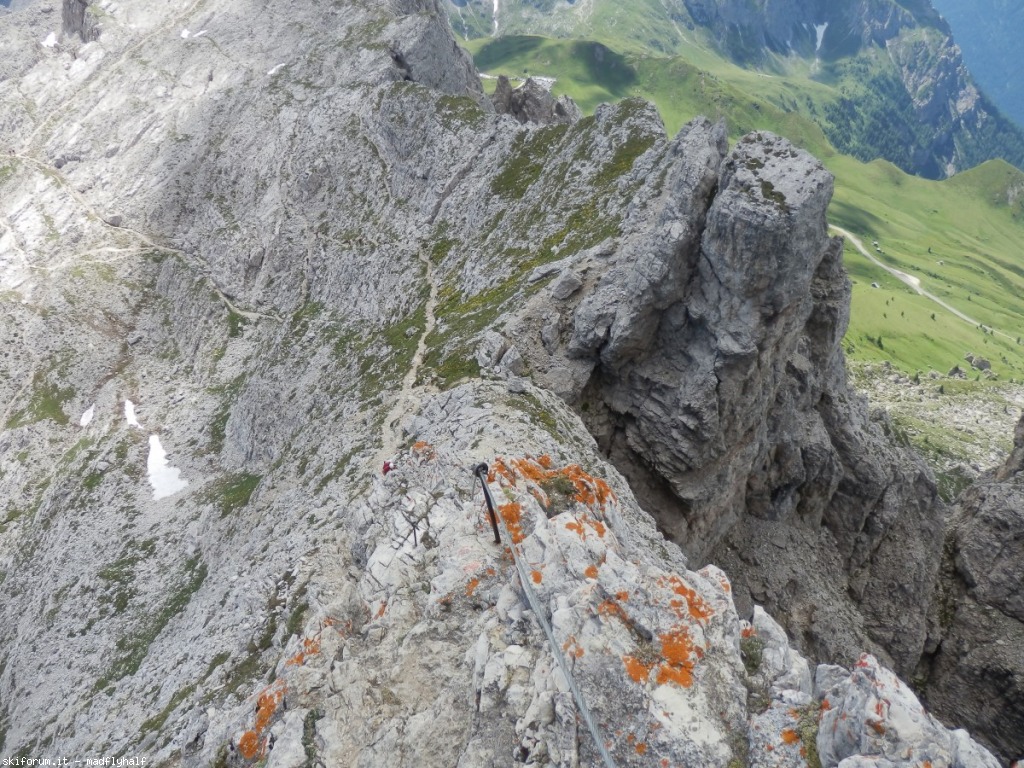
(706, 360)
(974, 671)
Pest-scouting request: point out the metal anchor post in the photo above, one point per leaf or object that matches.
(480, 470)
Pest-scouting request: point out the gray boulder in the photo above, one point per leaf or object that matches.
(533, 103)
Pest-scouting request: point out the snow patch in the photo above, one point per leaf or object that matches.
(184, 34)
(819, 29)
(50, 41)
(165, 479)
(129, 414)
(87, 416)
(275, 70)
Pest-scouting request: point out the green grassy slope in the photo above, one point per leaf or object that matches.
(965, 242)
(972, 223)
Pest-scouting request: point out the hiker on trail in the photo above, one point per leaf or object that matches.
(388, 466)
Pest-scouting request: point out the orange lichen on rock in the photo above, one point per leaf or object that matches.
(622, 595)
(512, 515)
(590, 572)
(589, 490)
(382, 609)
(747, 632)
(694, 604)
(251, 745)
(531, 470)
(640, 748)
(423, 449)
(572, 647)
(612, 608)
(471, 586)
(678, 650)
(789, 736)
(500, 469)
(636, 669)
(537, 576)
(577, 528)
(310, 647)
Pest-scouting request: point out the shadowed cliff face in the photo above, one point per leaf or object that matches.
(973, 671)
(304, 249)
(707, 363)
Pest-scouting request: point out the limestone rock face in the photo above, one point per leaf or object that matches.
(975, 672)
(706, 360)
(81, 19)
(271, 291)
(533, 103)
(872, 714)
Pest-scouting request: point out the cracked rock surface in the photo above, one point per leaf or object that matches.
(249, 253)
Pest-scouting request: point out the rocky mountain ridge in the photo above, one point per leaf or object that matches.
(292, 256)
(985, 30)
(902, 91)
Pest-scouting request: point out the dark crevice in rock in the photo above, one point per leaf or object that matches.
(401, 65)
(972, 673)
(651, 489)
(79, 20)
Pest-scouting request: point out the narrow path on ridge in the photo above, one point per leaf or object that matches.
(196, 262)
(410, 396)
(914, 283)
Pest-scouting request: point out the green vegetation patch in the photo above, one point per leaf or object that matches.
(807, 727)
(120, 575)
(47, 403)
(530, 151)
(309, 736)
(235, 323)
(561, 493)
(460, 110)
(133, 646)
(752, 653)
(218, 427)
(156, 722)
(234, 492)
